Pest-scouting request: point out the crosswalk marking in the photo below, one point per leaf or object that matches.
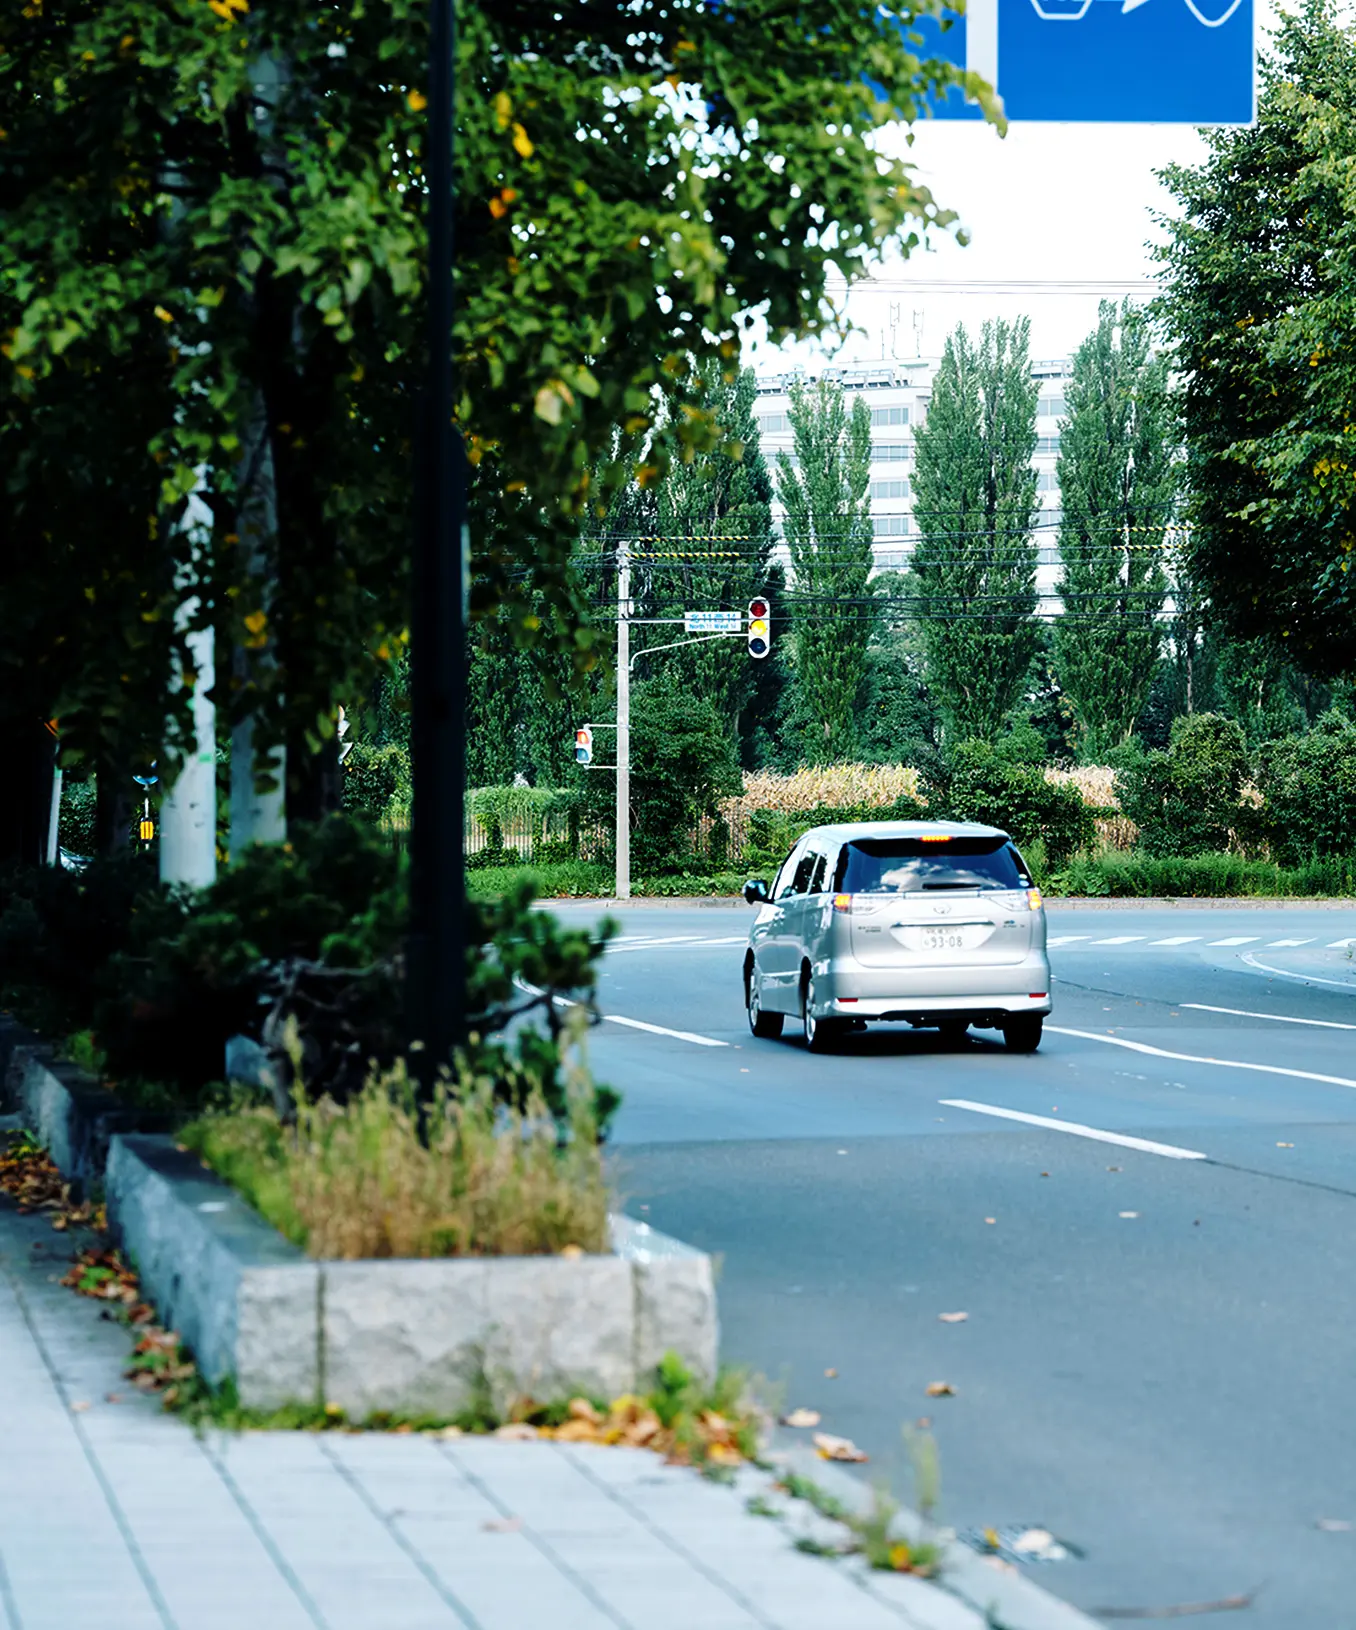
(1341, 945)
(1065, 939)
(1273, 945)
(1239, 939)
(1180, 939)
(1120, 939)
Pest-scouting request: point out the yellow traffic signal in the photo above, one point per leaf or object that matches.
(759, 633)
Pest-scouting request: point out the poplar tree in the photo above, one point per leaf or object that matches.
(825, 496)
(975, 505)
(1116, 480)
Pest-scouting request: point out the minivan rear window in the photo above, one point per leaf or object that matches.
(909, 865)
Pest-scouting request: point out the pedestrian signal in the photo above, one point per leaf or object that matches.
(760, 628)
(583, 745)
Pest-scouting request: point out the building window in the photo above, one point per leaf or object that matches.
(889, 489)
(889, 452)
(886, 558)
(890, 415)
(1050, 407)
(1047, 481)
(772, 422)
(889, 526)
(1047, 444)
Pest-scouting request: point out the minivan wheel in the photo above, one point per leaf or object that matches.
(820, 1034)
(768, 1026)
(1022, 1032)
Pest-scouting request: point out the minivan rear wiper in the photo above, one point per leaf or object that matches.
(950, 885)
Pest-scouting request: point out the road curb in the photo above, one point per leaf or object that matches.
(1005, 1597)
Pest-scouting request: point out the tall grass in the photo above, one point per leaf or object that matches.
(1218, 876)
(356, 1180)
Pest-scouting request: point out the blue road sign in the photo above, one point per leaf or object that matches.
(1104, 61)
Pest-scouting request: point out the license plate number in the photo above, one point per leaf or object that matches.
(945, 939)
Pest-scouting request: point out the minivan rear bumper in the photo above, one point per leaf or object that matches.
(844, 986)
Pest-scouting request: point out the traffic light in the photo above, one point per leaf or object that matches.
(583, 745)
(760, 628)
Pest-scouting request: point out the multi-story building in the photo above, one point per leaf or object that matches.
(898, 394)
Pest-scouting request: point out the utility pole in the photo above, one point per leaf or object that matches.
(624, 724)
(436, 960)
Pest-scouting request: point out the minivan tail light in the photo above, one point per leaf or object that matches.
(1033, 899)
(842, 902)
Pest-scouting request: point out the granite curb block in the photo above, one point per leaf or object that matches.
(1004, 1598)
(73, 1116)
(413, 1337)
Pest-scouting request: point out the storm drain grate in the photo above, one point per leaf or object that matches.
(1021, 1542)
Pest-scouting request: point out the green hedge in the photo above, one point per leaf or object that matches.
(1136, 874)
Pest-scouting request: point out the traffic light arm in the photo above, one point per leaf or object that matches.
(701, 639)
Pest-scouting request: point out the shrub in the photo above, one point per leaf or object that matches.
(377, 780)
(1187, 801)
(989, 783)
(365, 1179)
(1202, 877)
(1308, 784)
(75, 823)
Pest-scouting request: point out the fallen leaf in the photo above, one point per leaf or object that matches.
(1334, 1525)
(940, 1389)
(502, 1525)
(572, 1253)
(1279, 1146)
(991, 1219)
(1045, 1174)
(1113, 1168)
(953, 1318)
(1041, 1544)
(832, 1448)
(1127, 1213)
(516, 1432)
(112, 1397)
(830, 1375)
(79, 1406)
(991, 1538)
(580, 1409)
(448, 1432)
(801, 1417)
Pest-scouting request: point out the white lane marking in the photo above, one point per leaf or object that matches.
(694, 943)
(1341, 945)
(663, 1030)
(1239, 939)
(1169, 1150)
(1181, 939)
(1278, 1018)
(1191, 1058)
(1120, 939)
(1065, 939)
(669, 939)
(1304, 978)
(1275, 945)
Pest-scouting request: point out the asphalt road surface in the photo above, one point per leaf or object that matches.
(1158, 1359)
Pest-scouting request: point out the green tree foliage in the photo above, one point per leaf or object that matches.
(975, 503)
(1260, 270)
(899, 721)
(1003, 784)
(212, 252)
(1186, 801)
(712, 550)
(1116, 481)
(1309, 784)
(824, 490)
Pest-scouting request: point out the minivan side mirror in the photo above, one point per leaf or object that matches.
(756, 892)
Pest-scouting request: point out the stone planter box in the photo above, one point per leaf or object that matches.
(406, 1336)
(65, 1107)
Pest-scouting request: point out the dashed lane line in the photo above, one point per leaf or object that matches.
(1170, 1151)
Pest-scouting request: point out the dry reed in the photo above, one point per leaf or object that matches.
(356, 1180)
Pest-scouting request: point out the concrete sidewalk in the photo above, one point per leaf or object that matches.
(115, 1516)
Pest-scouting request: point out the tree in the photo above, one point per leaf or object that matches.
(712, 548)
(899, 721)
(976, 504)
(1116, 481)
(1259, 272)
(224, 206)
(825, 497)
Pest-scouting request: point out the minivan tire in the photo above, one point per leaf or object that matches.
(1022, 1032)
(766, 1026)
(820, 1034)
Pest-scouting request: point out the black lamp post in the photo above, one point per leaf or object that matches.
(436, 967)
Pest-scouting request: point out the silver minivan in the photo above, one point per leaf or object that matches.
(929, 923)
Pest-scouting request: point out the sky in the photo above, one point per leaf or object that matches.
(1047, 204)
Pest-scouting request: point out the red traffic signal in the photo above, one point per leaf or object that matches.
(759, 632)
(583, 745)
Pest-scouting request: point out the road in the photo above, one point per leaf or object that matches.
(1158, 1361)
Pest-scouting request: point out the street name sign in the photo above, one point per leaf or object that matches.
(1103, 61)
(713, 622)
